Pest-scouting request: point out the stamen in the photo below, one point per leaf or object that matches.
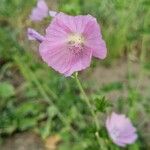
(76, 42)
(76, 39)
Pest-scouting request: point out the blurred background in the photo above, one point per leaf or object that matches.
(40, 108)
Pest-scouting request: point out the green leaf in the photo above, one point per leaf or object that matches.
(29, 108)
(101, 103)
(6, 90)
(46, 129)
(26, 123)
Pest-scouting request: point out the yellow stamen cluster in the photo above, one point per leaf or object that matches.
(76, 39)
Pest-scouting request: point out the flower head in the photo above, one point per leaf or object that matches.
(40, 11)
(70, 42)
(33, 35)
(121, 130)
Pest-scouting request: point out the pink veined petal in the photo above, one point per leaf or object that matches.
(80, 61)
(127, 127)
(81, 22)
(92, 28)
(57, 29)
(122, 123)
(118, 120)
(40, 11)
(55, 55)
(37, 15)
(94, 39)
(60, 59)
(41, 4)
(128, 139)
(71, 24)
(112, 120)
(98, 47)
(33, 35)
(67, 22)
(127, 131)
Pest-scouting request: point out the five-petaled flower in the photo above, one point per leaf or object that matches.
(70, 42)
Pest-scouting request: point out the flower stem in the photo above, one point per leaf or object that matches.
(100, 141)
(87, 101)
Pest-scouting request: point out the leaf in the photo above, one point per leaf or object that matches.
(46, 129)
(101, 103)
(6, 90)
(51, 142)
(27, 123)
(30, 108)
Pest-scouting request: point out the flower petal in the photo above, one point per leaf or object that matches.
(80, 61)
(33, 35)
(94, 38)
(120, 129)
(58, 56)
(40, 11)
(53, 13)
(55, 54)
(128, 139)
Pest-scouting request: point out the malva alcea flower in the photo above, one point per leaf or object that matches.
(70, 42)
(40, 11)
(120, 129)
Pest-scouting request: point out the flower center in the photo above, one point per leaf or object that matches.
(76, 39)
(76, 42)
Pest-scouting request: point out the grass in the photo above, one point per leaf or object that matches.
(34, 97)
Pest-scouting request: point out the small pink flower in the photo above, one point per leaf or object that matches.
(33, 35)
(40, 11)
(70, 42)
(121, 130)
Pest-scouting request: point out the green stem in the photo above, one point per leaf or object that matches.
(100, 141)
(87, 101)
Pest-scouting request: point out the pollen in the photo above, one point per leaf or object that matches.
(76, 39)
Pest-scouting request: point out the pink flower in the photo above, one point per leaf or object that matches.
(70, 42)
(121, 130)
(33, 35)
(40, 11)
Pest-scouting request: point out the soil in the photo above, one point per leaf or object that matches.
(118, 73)
(23, 141)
